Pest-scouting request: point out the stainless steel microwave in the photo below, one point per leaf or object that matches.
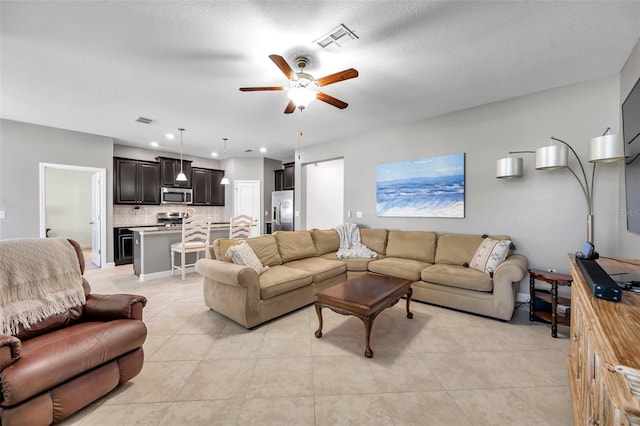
(176, 195)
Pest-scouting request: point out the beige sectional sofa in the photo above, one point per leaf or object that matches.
(303, 262)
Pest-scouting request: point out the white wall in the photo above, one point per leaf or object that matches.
(68, 204)
(544, 211)
(324, 188)
(629, 244)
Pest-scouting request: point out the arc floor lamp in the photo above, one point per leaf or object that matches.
(605, 148)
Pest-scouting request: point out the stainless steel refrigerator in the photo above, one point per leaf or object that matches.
(282, 211)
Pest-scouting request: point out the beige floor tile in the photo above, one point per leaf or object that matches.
(351, 410)
(218, 379)
(293, 411)
(186, 347)
(334, 344)
(425, 409)
(128, 414)
(235, 346)
(403, 373)
(286, 345)
(275, 377)
(157, 382)
(152, 343)
(203, 413)
(553, 404)
(502, 406)
(432, 339)
(204, 321)
(342, 375)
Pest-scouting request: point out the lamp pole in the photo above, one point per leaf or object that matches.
(586, 188)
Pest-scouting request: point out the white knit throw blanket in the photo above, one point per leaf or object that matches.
(350, 245)
(38, 278)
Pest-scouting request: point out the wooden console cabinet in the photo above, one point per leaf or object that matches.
(603, 335)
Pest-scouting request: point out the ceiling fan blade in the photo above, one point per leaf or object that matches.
(331, 100)
(283, 65)
(291, 107)
(339, 76)
(256, 89)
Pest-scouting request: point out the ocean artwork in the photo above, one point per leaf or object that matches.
(424, 187)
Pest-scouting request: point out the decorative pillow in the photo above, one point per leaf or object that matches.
(489, 255)
(242, 254)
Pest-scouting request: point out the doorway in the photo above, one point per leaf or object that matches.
(73, 205)
(247, 201)
(324, 184)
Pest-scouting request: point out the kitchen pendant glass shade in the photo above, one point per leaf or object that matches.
(509, 167)
(301, 96)
(224, 180)
(552, 157)
(606, 148)
(181, 177)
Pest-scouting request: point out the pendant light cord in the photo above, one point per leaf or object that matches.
(181, 130)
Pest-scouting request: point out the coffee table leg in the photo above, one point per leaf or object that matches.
(368, 323)
(319, 312)
(409, 294)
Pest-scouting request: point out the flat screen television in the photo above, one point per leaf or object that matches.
(631, 133)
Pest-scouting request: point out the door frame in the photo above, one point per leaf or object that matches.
(102, 179)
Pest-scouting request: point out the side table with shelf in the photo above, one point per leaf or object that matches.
(554, 279)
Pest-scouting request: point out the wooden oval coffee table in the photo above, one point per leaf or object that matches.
(364, 297)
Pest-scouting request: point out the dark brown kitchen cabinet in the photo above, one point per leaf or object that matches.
(207, 190)
(288, 178)
(136, 182)
(279, 179)
(169, 169)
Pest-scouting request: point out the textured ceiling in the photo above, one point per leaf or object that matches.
(96, 66)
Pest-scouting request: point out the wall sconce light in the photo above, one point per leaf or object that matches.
(605, 148)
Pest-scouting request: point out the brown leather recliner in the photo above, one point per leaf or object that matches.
(69, 360)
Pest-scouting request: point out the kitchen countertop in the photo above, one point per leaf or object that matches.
(216, 226)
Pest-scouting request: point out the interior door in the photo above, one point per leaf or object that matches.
(96, 197)
(247, 201)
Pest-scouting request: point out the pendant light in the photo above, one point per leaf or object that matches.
(181, 176)
(225, 179)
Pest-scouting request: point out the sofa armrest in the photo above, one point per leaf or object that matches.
(108, 307)
(10, 350)
(228, 273)
(505, 279)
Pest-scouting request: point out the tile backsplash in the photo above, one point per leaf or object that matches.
(125, 215)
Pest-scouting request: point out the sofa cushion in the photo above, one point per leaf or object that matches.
(321, 269)
(53, 358)
(266, 248)
(281, 279)
(374, 239)
(490, 254)
(325, 240)
(403, 268)
(221, 246)
(242, 254)
(456, 249)
(294, 245)
(457, 276)
(355, 264)
(415, 245)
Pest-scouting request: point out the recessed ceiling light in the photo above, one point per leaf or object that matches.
(214, 154)
(170, 136)
(263, 149)
(154, 144)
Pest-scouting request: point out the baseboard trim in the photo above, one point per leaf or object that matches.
(163, 274)
(523, 297)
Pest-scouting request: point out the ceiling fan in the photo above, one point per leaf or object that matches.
(303, 88)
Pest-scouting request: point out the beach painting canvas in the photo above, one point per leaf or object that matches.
(424, 187)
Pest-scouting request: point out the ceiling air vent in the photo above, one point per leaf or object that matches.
(144, 120)
(248, 150)
(338, 36)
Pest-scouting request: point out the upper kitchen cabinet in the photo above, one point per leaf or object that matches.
(169, 169)
(136, 182)
(289, 176)
(207, 190)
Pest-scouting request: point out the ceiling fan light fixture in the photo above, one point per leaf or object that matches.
(301, 96)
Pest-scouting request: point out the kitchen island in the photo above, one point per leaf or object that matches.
(152, 253)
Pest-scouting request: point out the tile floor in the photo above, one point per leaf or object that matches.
(440, 368)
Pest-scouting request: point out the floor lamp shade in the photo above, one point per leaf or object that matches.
(606, 148)
(552, 157)
(509, 167)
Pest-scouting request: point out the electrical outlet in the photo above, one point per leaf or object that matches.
(551, 270)
(359, 214)
(2, 214)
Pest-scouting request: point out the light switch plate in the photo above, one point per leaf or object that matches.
(358, 214)
(2, 214)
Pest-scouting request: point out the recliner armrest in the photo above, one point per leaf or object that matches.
(10, 350)
(107, 307)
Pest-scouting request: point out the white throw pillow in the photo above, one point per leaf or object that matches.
(242, 254)
(489, 255)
